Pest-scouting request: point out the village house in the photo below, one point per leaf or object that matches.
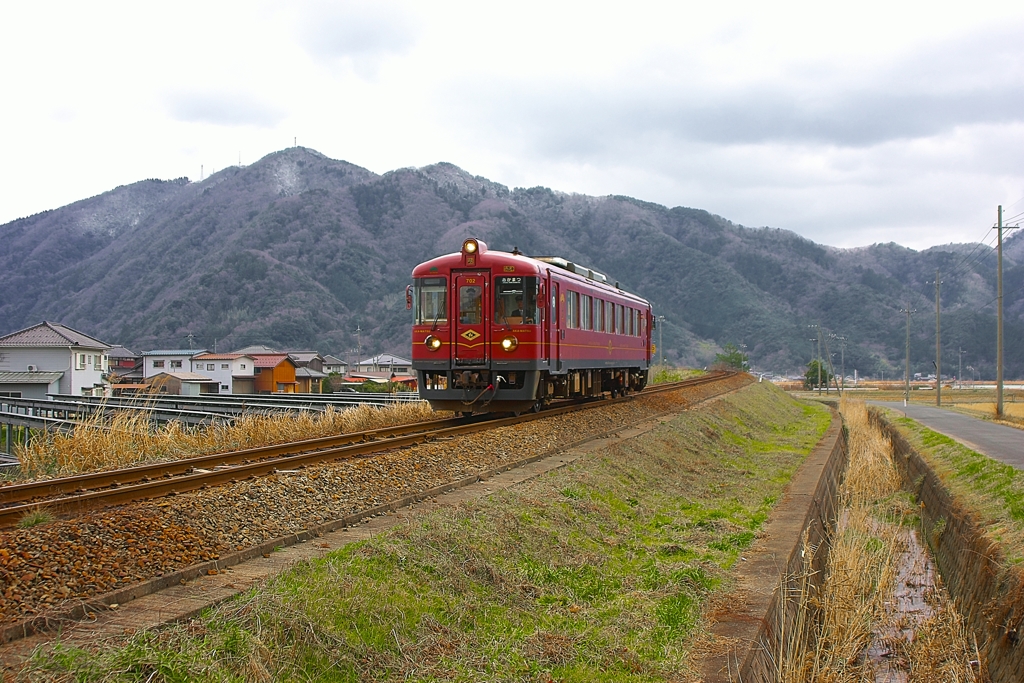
(167, 360)
(233, 372)
(50, 358)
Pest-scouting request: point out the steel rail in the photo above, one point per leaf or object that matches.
(181, 475)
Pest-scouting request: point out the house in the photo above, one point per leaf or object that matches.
(334, 364)
(234, 373)
(307, 359)
(274, 373)
(384, 362)
(121, 360)
(309, 380)
(50, 358)
(182, 384)
(167, 360)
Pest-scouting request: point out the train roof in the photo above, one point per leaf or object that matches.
(522, 265)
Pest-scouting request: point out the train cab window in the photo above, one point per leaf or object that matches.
(515, 300)
(429, 296)
(471, 299)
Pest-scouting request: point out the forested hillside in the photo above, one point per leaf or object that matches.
(298, 250)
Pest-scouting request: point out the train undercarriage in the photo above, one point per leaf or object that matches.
(482, 390)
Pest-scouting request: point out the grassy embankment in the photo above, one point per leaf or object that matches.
(596, 572)
(875, 565)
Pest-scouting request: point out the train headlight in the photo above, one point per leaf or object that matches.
(432, 343)
(509, 343)
(470, 246)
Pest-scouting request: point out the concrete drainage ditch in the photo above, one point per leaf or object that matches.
(757, 630)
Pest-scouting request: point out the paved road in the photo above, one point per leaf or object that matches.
(994, 440)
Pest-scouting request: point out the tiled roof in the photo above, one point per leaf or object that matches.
(257, 348)
(120, 352)
(308, 372)
(269, 360)
(333, 360)
(29, 377)
(51, 334)
(218, 356)
(174, 352)
(386, 359)
(304, 355)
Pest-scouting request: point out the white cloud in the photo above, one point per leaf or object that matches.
(881, 121)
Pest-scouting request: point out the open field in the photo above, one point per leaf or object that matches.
(977, 402)
(599, 571)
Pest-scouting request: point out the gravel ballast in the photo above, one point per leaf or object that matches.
(56, 565)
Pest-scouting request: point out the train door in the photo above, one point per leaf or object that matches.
(471, 331)
(548, 313)
(556, 326)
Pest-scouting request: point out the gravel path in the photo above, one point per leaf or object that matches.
(52, 565)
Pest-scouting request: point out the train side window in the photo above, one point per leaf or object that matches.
(429, 300)
(598, 315)
(586, 312)
(515, 300)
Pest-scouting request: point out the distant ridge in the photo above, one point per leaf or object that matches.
(299, 251)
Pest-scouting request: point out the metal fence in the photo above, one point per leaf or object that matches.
(19, 417)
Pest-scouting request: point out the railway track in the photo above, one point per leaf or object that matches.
(70, 495)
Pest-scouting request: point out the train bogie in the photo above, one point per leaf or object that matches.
(501, 331)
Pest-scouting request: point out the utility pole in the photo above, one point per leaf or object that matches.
(661, 324)
(819, 358)
(999, 315)
(960, 372)
(842, 362)
(817, 338)
(906, 394)
(938, 342)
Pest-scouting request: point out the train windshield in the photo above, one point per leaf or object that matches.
(515, 301)
(429, 294)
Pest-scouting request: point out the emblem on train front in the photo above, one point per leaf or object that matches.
(470, 334)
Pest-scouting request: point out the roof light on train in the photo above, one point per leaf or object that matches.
(432, 343)
(509, 343)
(470, 246)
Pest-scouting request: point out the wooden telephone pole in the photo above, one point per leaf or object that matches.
(938, 342)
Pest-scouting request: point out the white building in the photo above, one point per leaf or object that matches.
(51, 358)
(164, 360)
(385, 362)
(233, 371)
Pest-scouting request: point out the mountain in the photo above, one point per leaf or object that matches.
(299, 250)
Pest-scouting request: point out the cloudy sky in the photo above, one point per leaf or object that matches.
(849, 123)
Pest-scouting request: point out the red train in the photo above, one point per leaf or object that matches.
(498, 331)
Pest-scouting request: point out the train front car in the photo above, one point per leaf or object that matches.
(497, 331)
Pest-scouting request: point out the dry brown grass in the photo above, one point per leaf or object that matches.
(125, 439)
(855, 608)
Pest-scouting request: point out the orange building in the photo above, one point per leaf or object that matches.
(274, 373)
